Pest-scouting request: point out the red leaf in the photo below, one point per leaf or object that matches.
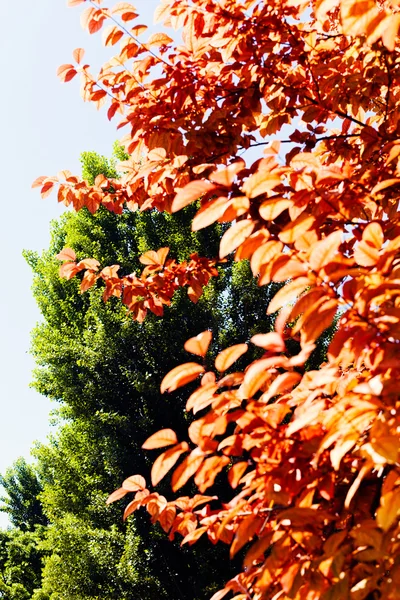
(164, 437)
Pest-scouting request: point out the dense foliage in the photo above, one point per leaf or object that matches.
(311, 456)
(103, 369)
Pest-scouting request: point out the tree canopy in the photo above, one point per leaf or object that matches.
(310, 457)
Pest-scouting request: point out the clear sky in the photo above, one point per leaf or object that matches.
(44, 127)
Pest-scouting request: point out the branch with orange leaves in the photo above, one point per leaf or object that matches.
(153, 289)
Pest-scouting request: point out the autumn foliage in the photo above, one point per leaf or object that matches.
(311, 456)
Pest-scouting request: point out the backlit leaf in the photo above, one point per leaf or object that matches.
(209, 213)
(227, 357)
(191, 192)
(199, 344)
(134, 483)
(164, 437)
(187, 469)
(78, 55)
(236, 472)
(117, 495)
(235, 236)
(294, 229)
(260, 182)
(180, 376)
(66, 254)
(270, 209)
(288, 293)
(166, 461)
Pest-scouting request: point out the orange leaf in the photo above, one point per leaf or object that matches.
(78, 55)
(180, 376)
(166, 461)
(227, 176)
(89, 263)
(199, 345)
(135, 483)
(227, 357)
(126, 11)
(326, 250)
(39, 181)
(209, 213)
(69, 270)
(66, 254)
(88, 281)
(271, 341)
(120, 493)
(75, 2)
(164, 437)
(294, 229)
(305, 160)
(202, 397)
(187, 469)
(66, 72)
(259, 183)
(191, 192)
(384, 184)
(264, 254)
(270, 209)
(235, 236)
(283, 383)
(193, 536)
(373, 235)
(288, 293)
(210, 468)
(159, 39)
(154, 258)
(246, 531)
(316, 323)
(111, 35)
(366, 255)
(257, 374)
(253, 242)
(236, 472)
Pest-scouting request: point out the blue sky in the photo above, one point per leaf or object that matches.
(44, 127)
